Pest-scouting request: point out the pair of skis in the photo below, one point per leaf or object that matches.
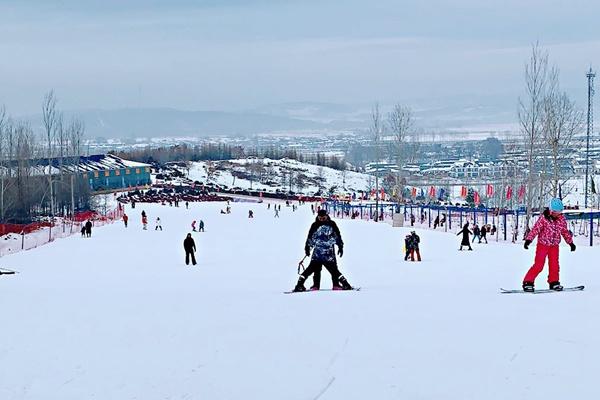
(5, 271)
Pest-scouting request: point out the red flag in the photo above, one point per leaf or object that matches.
(414, 192)
(432, 191)
(521, 192)
(476, 198)
(463, 192)
(490, 191)
(509, 192)
(382, 194)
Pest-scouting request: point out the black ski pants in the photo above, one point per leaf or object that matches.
(315, 268)
(189, 253)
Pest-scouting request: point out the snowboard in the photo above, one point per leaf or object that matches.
(540, 291)
(356, 289)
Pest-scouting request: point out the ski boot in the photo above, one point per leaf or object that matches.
(342, 285)
(300, 285)
(316, 281)
(556, 286)
(528, 286)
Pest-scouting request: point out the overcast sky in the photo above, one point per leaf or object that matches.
(240, 54)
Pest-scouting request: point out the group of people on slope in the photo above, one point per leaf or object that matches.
(200, 226)
(479, 233)
(86, 229)
(411, 246)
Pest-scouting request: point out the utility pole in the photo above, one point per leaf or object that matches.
(590, 127)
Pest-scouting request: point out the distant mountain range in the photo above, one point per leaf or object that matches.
(298, 117)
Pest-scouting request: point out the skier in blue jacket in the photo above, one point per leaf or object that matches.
(322, 238)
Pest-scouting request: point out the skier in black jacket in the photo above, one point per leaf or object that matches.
(465, 236)
(322, 237)
(88, 228)
(190, 248)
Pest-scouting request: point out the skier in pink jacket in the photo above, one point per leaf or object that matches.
(549, 228)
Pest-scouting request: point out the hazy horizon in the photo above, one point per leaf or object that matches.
(243, 55)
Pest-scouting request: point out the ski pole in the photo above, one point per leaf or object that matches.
(301, 265)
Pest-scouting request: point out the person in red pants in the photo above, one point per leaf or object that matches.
(549, 228)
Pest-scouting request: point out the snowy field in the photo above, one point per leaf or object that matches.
(120, 316)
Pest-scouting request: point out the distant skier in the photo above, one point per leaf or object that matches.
(483, 233)
(83, 231)
(465, 236)
(201, 226)
(250, 214)
(190, 248)
(443, 220)
(125, 219)
(493, 230)
(194, 225)
(322, 237)
(436, 222)
(476, 233)
(158, 224)
(144, 221)
(549, 228)
(276, 212)
(88, 228)
(406, 247)
(412, 219)
(187, 205)
(414, 240)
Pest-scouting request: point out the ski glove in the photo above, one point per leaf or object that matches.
(527, 243)
(307, 251)
(340, 251)
(573, 247)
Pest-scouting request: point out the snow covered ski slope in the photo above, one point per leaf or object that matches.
(120, 316)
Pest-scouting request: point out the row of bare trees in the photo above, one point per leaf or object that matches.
(549, 122)
(37, 174)
(400, 125)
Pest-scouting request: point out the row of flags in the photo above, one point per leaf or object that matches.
(490, 190)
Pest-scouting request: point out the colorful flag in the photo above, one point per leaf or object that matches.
(509, 192)
(432, 191)
(441, 194)
(476, 198)
(463, 192)
(490, 190)
(521, 192)
(414, 192)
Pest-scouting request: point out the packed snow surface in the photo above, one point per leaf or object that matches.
(120, 316)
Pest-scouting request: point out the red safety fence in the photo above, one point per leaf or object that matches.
(15, 237)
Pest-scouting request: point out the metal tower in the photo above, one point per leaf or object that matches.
(590, 128)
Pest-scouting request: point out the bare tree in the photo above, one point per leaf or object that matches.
(531, 116)
(376, 130)
(401, 123)
(563, 120)
(320, 177)
(50, 117)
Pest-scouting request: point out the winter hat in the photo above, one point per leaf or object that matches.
(556, 205)
(322, 213)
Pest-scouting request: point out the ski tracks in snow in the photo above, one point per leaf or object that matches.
(322, 392)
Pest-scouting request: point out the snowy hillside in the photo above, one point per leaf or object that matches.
(120, 316)
(271, 175)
